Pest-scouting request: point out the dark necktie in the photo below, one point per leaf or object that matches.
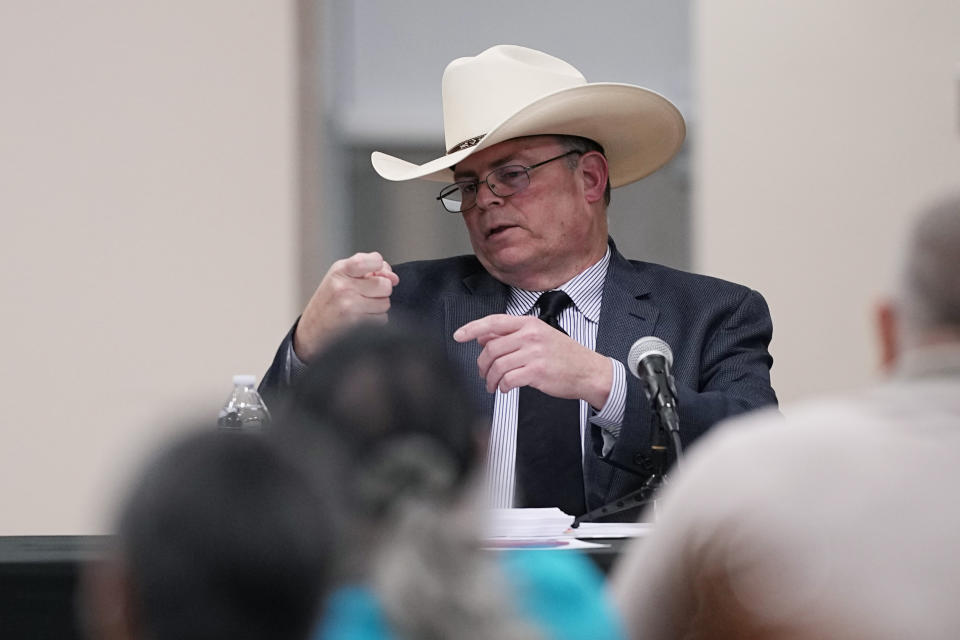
(549, 470)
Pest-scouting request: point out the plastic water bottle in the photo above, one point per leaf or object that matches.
(244, 409)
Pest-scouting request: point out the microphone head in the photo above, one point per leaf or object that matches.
(647, 346)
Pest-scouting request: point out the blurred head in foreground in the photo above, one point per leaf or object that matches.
(385, 412)
(396, 409)
(222, 536)
(841, 522)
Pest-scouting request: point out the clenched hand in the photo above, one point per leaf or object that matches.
(355, 289)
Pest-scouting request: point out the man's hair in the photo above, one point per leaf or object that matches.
(930, 286)
(583, 145)
(224, 537)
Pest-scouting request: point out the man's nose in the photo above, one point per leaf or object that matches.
(486, 197)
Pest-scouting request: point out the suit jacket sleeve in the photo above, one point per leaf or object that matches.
(721, 369)
(276, 382)
(735, 374)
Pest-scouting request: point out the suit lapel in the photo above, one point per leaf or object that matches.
(626, 314)
(482, 296)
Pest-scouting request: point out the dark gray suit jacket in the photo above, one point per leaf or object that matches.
(719, 333)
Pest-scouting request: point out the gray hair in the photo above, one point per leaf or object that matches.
(436, 582)
(929, 296)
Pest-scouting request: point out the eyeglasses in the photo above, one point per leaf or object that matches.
(504, 181)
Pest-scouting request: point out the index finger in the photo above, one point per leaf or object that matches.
(497, 324)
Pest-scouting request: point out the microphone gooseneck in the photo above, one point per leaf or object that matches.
(650, 359)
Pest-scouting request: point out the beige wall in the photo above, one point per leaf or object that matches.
(149, 194)
(823, 126)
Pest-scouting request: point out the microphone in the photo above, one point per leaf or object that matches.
(650, 360)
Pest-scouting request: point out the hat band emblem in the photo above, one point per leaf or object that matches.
(466, 144)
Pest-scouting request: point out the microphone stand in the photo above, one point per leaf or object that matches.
(666, 433)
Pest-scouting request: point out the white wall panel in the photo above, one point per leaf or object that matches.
(148, 199)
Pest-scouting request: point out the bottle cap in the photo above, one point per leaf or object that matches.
(244, 380)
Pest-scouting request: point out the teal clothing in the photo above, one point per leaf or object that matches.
(564, 593)
(353, 613)
(561, 592)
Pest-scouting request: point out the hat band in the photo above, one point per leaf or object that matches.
(466, 144)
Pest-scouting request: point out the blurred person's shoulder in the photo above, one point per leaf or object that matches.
(563, 592)
(744, 461)
(781, 430)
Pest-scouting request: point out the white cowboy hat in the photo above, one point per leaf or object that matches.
(510, 91)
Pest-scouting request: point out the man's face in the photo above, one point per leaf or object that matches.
(542, 236)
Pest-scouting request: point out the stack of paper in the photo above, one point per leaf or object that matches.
(550, 529)
(528, 523)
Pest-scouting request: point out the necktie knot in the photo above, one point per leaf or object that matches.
(551, 304)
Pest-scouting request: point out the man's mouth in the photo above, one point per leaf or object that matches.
(499, 229)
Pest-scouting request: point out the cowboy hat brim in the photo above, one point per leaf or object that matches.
(639, 129)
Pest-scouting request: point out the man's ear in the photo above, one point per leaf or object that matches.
(887, 326)
(595, 175)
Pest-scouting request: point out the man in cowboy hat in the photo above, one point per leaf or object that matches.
(532, 152)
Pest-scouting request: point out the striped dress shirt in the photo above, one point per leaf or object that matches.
(579, 320)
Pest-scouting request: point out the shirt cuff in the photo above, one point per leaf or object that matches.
(610, 416)
(295, 366)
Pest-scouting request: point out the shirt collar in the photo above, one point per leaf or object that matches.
(585, 289)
